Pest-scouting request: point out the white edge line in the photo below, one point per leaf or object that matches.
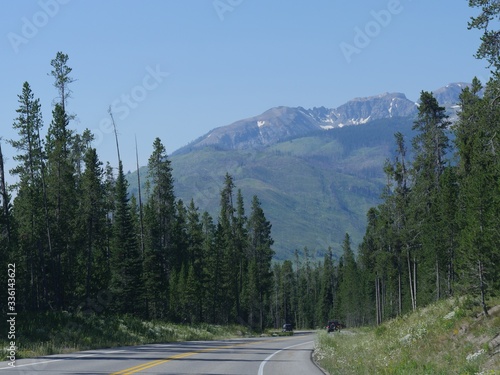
(58, 360)
(30, 364)
(263, 363)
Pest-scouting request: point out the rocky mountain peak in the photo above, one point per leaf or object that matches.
(281, 123)
(449, 94)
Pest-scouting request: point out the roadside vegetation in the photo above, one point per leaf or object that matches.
(60, 332)
(451, 336)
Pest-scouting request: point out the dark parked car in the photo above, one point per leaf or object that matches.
(334, 325)
(287, 328)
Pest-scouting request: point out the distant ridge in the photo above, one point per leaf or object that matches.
(283, 123)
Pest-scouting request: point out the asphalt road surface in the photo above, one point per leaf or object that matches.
(290, 355)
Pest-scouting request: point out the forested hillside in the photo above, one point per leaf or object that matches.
(313, 188)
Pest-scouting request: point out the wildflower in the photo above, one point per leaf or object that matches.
(474, 356)
(449, 315)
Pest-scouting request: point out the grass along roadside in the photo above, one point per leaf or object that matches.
(56, 333)
(448, 337)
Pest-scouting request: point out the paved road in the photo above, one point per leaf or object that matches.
(256, 356)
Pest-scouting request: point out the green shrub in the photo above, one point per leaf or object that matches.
(380, 330)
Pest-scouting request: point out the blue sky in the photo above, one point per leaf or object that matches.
(176, 69)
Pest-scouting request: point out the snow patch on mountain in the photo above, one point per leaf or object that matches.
(281, 123)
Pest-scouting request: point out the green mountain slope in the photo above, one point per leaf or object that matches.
(313, 189)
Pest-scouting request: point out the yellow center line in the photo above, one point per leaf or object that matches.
(147, 365)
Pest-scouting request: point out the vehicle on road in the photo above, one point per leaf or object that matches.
(287, 328)
(334, 325)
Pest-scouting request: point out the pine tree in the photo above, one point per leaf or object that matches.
(92, 221)
(305, 293)
(261, 254)
(109, 204)
(210, 268)
(7, 235)
(196, 273)
(489, 48)
(160, 221)
(251, 295)
(430, 146)
(288, 289)
(479, 178)
(30, 205)
(60, 72)
(349, 287)
(6, 228)
(226, 296)
(62, 201)
(240, 255)
(180, 250)
(327, 289)
(126, 266)
(448, 206)
(298, 295)
(396, 206)
(368, 266)
(79, 146)
(389, 238)
(192, 296)
(61, 195)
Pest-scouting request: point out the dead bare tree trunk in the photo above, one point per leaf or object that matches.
(141, 219)
(116, 134)
(415, 281)
(5, 197)
(410, 277)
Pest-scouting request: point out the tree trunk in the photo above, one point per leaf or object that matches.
(412, 290)
(415, 281)
(5, 197)
(89, 259)
(450, 272)
(400, 292)
(141, 218)
(438, 282)
(482, 287)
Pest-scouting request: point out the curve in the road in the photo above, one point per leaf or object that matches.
(261, 367)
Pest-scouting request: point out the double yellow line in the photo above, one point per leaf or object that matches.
(147, 365)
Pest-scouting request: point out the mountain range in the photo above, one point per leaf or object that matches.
(283, 123)
(316, 171)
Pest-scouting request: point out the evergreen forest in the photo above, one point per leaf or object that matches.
(79, 243)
